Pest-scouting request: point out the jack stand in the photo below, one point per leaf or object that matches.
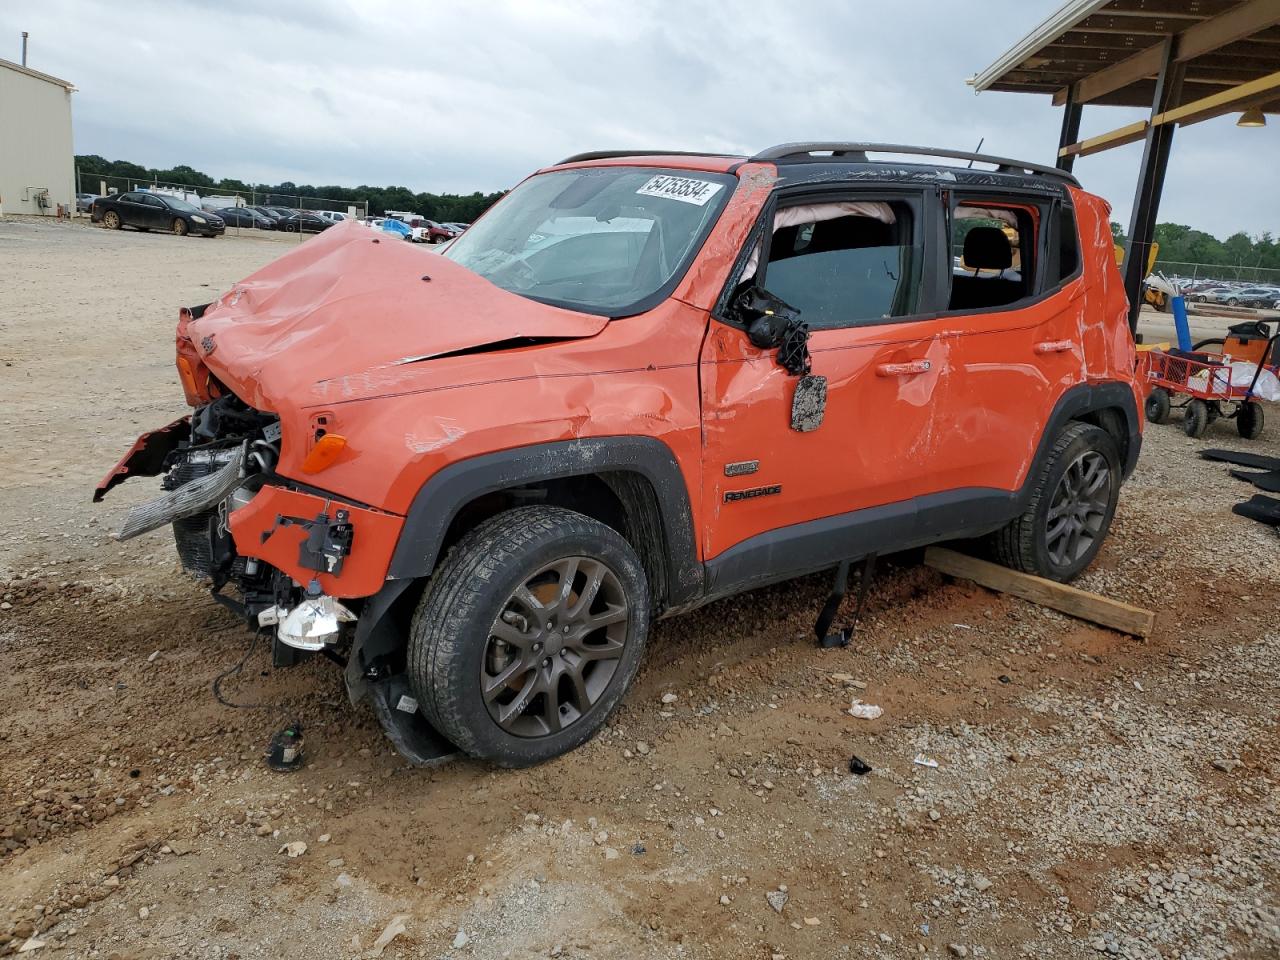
(821, 628)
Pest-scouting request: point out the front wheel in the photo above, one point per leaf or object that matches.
(179, 227)
(529, 634)
(1071, 507)
(1249, 420)
(111, 220)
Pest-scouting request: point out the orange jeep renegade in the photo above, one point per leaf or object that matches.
(639, 383)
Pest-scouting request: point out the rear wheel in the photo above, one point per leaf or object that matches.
(1195, 419)
(111, 220)
(1157, 405)
(529, 634)
(1249, 420)
(1071, 507)
(179, 226)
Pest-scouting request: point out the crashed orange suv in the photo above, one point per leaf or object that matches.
(639, 383)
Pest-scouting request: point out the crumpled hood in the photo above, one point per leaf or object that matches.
(354, 301)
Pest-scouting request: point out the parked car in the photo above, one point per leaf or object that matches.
(153, 211)
(428, 231)
(398, 227)
(493, 470)
(1243, 296)
(303, 220)
(246, 217)
(333, 216)
(84, 201)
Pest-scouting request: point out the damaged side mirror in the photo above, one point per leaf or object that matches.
(771, 322)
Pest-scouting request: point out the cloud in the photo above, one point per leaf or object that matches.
(447, 95)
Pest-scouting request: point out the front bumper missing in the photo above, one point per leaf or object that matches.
(188, 500)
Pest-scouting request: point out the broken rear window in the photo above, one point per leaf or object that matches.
(603, 240)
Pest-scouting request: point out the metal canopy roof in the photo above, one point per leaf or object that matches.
(1109, 51)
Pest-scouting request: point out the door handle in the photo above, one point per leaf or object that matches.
(1054, 346)
(909, 369)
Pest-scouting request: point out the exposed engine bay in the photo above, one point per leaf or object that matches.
(229, 453)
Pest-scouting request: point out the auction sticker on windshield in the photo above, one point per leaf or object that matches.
(684, 189)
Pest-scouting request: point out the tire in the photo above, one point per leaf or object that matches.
(111, 220)
(1233, 302)
(1082, 474)
(290, 228)
(179, 227)
(471, 625)
(1157, 406)
(1195, 419)
(1249, 420)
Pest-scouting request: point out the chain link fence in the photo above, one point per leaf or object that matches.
(1211, 271)
(269, 215)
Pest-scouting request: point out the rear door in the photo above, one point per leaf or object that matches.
(854, 263)
(133, 212)
(1014, 305)
(154, 213)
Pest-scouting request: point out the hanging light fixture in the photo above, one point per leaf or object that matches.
(1253, 117)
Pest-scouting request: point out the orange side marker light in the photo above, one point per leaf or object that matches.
(324, 453)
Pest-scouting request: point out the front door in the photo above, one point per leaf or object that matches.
(854, 263)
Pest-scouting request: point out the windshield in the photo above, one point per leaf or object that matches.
(181, 204)
(599, 239)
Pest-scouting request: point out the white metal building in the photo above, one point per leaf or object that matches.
(37, 157)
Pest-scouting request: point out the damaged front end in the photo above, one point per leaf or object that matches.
(274, 554)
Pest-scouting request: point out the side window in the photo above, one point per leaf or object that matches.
(845, 263)
(1068, 244)
(993, 248)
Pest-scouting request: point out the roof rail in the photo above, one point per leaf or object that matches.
(857, 152)
(614, 154)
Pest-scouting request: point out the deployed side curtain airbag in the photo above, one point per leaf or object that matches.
(816, 213)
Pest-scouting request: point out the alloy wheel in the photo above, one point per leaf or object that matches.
(1078, 509)
(554, 647)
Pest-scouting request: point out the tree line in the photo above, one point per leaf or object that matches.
(1182, 244)
(446, 207)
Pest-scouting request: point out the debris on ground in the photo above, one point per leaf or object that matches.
(865, 711)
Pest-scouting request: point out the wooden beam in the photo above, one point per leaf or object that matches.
(1140, 66)
(1236, 98)
(1131, 133)
(1047, 593)
(1238, 23)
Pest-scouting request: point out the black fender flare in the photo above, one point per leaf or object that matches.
(1076, 404)
(448, 491)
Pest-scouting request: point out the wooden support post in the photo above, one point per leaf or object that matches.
(1070, 131)
(1155, 161)
(1048, 593)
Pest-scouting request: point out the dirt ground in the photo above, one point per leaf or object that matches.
(1092, 793)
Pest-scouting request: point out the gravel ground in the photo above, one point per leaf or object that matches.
(1093, 794)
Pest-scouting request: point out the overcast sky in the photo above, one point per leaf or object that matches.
(463, 95)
